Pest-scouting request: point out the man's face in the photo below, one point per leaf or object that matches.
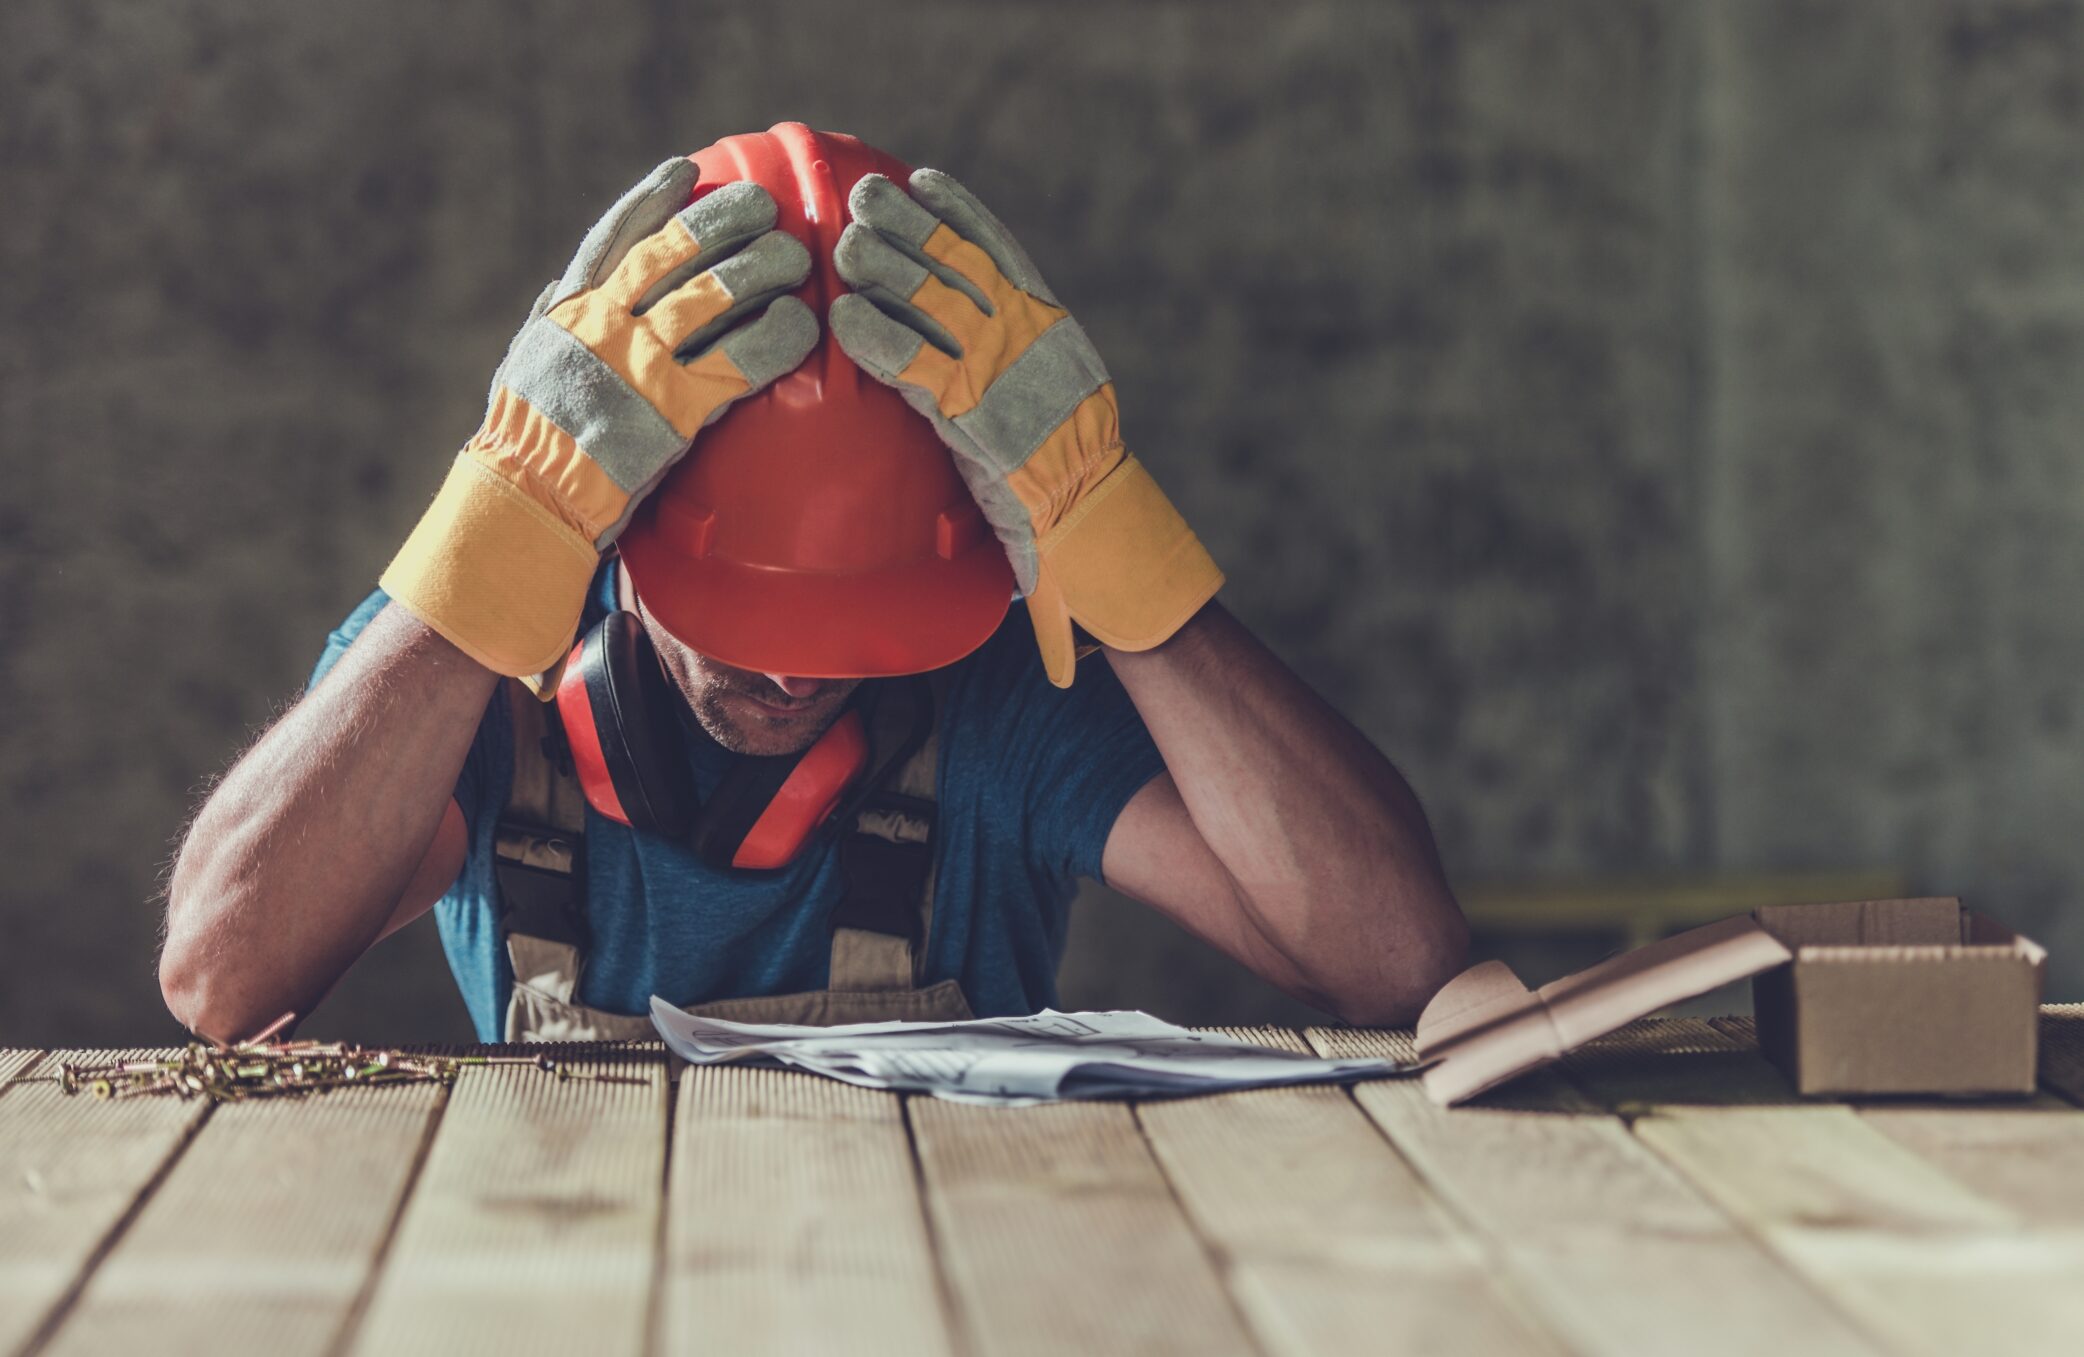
(745, 712)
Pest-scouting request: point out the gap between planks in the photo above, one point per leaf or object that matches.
(74, 1173)
(1885, 1231)
(960, 1339)
(264, 1234)
(351, 1323)
(533, 1223)
(1059, 1233)
(795, 1222)
(1605, 1242)
(2027, 1154)
(1327, 1239)
(654, 1311)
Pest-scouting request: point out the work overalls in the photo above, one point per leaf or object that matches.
(879, 926)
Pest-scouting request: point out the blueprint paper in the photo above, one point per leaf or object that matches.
(1047, 1057)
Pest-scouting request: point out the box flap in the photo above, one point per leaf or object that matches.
(1486, 1026)
(1931, 922)
(1980, 930)
(1479, 997)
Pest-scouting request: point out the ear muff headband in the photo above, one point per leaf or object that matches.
(787, 817)
(737, 804)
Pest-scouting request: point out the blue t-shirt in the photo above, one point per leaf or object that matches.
(1031, 779)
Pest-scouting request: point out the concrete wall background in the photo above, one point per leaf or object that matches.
(1656, 424)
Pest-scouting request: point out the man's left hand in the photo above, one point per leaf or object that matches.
(948, 310)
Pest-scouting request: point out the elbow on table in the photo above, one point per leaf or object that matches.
(209, 1002)
(181, 987)
(192, 994)
(202, 986)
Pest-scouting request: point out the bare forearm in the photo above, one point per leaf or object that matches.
(1326, 843)
(295, 863)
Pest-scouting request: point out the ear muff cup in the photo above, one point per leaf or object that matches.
(618, 693)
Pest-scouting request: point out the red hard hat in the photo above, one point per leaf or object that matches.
(819, 529)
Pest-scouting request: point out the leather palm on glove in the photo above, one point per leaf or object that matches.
(668, 313)
(948, 310)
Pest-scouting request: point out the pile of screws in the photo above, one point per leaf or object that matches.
(261, 1068)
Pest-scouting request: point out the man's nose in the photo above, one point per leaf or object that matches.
(796, 687)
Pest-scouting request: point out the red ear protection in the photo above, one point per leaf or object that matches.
(616, 707)
(621, 721)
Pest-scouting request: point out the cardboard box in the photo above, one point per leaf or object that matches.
(1866, 997)
(1899, 996)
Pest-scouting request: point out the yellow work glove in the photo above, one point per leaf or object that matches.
(948, 310)
(668, 313)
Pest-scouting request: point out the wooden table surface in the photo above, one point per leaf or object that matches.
(1660, 1194)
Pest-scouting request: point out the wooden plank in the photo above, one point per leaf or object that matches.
(795, 1223)
(1057, 1233)
(1785, 1157)
(1918, 1256)
(534, 1223)
(1605, 1242)
(72, 1169)
(2025, 1154)
(2062, 1050)
(1329, 1241)
(261, 1238)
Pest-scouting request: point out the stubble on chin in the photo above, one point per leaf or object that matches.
(758, 734)
(707, 686)
(707, 693)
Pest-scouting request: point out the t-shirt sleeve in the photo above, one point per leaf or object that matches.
(471, 780)
(344, 635)
(1074, 756)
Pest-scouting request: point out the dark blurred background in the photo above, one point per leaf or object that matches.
(1656, 424)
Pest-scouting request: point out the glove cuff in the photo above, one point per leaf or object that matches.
(1122, 564)
(494, 572)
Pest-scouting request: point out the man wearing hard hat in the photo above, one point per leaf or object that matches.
(698, 678)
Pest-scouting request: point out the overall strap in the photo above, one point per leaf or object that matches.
(886, 856)
(539, 854)
(886, 852)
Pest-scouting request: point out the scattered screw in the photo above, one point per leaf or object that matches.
(259, 1068)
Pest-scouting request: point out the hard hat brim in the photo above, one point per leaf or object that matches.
(906, 619)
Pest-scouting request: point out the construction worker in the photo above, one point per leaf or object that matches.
(701, 677)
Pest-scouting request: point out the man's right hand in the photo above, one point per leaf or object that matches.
(651, 334)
